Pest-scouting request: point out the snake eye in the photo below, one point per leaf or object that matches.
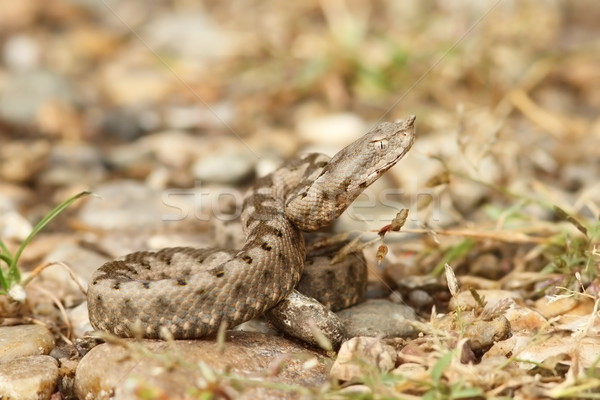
(380, 144)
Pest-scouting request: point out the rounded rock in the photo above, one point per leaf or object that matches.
(29, 378)
(378, 317)
(24, 340)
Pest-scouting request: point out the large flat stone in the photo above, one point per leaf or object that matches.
(246, 367)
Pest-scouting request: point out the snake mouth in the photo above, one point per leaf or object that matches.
(363, 184)
(373, 176)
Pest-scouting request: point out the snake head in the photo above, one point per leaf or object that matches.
(348, 173)
(362, 162)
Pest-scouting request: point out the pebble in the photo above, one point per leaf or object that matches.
(72, 162)
(226, 168)
(358, 354)
(79, 320)
(192, 117)
(192, 35)
(420, 299)
(27, 91)
(126, 370)
(378, 317)
(13, 225)
(551, 307)
(524, 319)
(20, 161)
(29, 378)
(125, 124)
(24, 340)
(488, 266)
(21, 52)
(172, 148)
(129, 84)
(123, 205)
(13, 196)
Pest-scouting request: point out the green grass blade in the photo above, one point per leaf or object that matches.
(452, 254)
(14, 273)
(440, 367)
(6, 259)
(3, 284)
(4, 249)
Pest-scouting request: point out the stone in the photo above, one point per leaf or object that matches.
(73, 162)
(79, 319)
(21, 52)
(194, 116)
(21, 161)
(24, 340)
(130, 84)
(183, 367)
(172, 148)
(27, 91)
(550, 307)
(123, 205)
(13, 197)
(228, 167)
(378, 317)
(29, 378)
(13, 225)
(193, 35)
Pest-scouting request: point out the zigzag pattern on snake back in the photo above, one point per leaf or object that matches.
(188, 293)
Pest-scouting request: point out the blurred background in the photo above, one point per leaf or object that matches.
(175, 92)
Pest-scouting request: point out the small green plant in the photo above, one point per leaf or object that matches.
(10, 274)
(571, 252)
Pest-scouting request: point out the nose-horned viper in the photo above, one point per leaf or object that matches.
(190, 292)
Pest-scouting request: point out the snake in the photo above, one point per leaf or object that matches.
(189, 293)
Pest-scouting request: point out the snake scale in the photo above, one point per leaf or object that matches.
(188, 293)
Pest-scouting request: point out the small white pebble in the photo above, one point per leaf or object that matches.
(21, 52)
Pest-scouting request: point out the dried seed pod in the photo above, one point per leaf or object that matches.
(382, 250)
(452, 281)
(400, 220)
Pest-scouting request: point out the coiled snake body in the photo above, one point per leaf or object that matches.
(188, 292)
